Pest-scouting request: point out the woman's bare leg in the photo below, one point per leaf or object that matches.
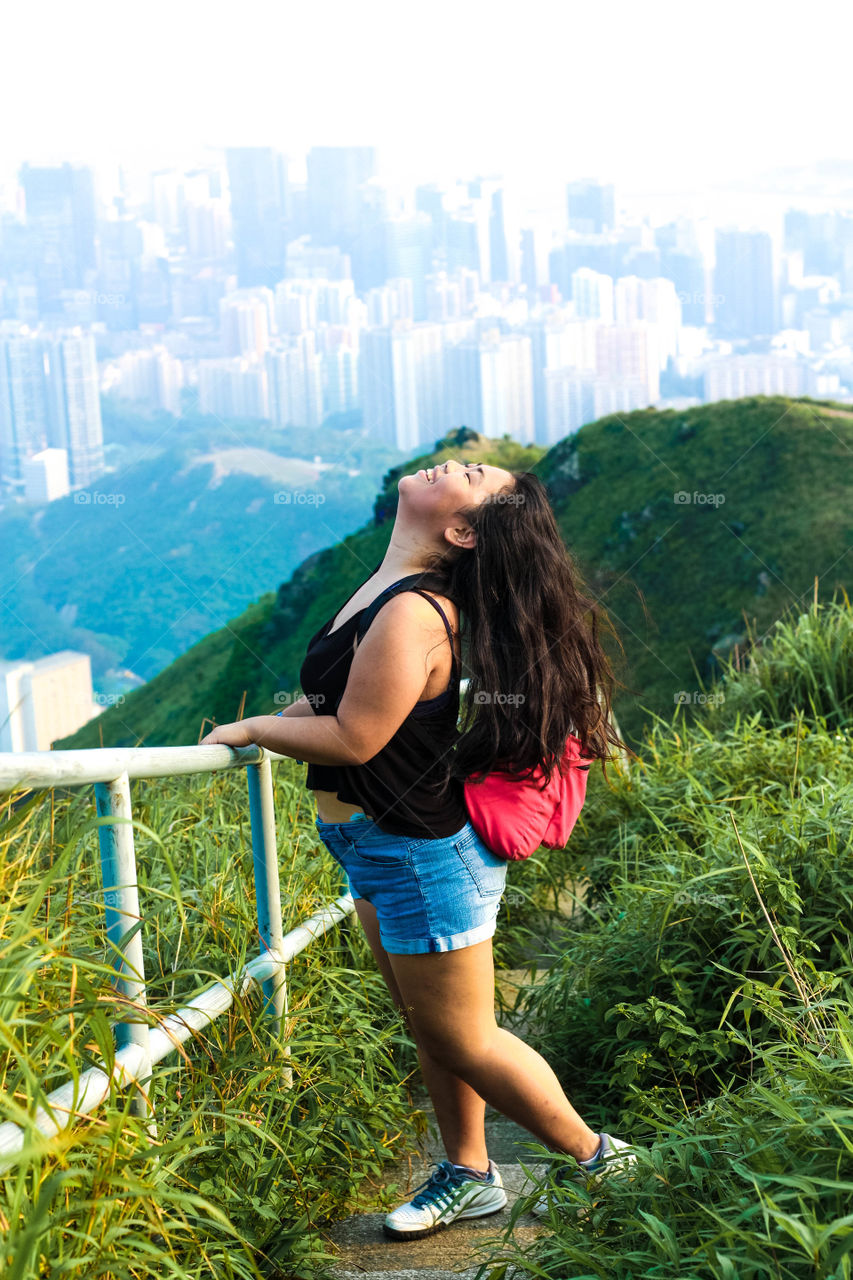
(450, 1001)
(466, 1059)
(459, 1109)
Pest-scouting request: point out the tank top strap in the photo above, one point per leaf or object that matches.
(447, 626)
(404, 584)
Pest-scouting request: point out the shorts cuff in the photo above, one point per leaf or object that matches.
(455, 942)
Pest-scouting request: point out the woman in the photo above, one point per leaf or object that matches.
(378, 726)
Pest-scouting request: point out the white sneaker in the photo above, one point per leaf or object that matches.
(614, 1158)
(447, 1195)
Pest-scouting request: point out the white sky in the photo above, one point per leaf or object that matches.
(649, 92)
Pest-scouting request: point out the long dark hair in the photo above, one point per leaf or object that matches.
(530, 640)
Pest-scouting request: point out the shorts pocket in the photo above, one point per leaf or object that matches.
(394, 854)
(487, 870)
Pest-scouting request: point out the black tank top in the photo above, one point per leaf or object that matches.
(399, 786)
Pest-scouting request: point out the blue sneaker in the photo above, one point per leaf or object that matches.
(614, 1158)
(449, 1193)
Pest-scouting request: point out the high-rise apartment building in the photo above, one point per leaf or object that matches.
(657, 303)
(489, 383)
(24, 416)
(49, 398)
(556, 342)
(247, 319)
(46, 476)
(744, 284)
(592, 294)
(574, 398)
(44, 699)
(629, 352)
(234, 387)
(402, 383)
(591, 206)
(60, 212)
(295, 378)
(731, 377)
(153, 377)
(257, 178)
(75, 403)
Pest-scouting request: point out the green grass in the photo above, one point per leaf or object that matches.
(244, 1173)
(701, 1006)
(704, 1009)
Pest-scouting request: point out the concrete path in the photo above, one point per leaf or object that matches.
(365, 1252)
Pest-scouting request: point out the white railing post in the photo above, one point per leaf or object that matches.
(121, 899)
(268, 894)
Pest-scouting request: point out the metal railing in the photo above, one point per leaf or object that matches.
(140, 1047)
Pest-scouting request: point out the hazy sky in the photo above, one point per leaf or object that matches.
(653, 93)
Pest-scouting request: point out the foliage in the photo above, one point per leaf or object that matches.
(703, 1009)
(242, 1170)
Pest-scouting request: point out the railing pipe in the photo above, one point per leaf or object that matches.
(124, 922)
(268, 891)
(132, 1063)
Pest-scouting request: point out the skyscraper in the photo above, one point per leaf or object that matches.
(590, 206)
(257, 177)
(335, 175)
(490, 385)
(408, 253)
(744, 284)
(60, 204)
(75, 420)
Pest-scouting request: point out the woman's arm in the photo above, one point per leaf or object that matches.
(389, 672)
(303, 706)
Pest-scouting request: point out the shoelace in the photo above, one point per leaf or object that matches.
(438, 1184)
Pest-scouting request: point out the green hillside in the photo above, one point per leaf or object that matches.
(683, 582)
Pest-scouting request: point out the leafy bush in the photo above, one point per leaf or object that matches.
(703, 1008)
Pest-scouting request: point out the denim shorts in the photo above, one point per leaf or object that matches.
(430, 894)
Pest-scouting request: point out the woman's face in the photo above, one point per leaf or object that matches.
(437, 494)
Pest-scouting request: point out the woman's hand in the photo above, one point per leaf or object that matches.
(229, 735)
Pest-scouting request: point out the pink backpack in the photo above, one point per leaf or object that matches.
(510, 816)
(513, 818)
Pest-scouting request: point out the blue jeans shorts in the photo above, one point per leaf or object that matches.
(430, 894)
